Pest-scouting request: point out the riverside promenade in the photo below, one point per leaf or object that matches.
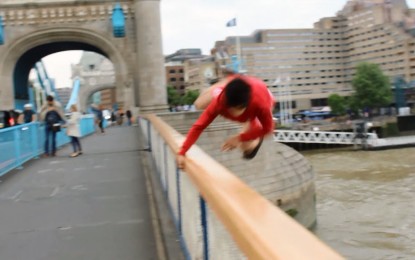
(92, 207)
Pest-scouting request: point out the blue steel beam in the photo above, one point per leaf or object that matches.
(74, 95)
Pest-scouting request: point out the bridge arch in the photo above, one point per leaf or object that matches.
(25, 51)
(86, 93)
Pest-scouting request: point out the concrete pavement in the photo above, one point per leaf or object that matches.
(92, 207)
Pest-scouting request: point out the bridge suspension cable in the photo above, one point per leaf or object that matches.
(45, 82)
(74, 94)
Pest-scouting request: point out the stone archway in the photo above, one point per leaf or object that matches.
(138, 56)
(86, 92)
(38, 38)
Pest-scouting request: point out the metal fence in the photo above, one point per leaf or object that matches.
(199, 237)
(218, 216)
(20, 143)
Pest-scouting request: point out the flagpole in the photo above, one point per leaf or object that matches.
(238, 48)
(238, 45)
(234, 23)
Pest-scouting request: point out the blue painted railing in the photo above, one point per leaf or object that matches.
(20, 143)
(74, 95)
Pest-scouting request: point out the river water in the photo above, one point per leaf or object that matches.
(366, 202)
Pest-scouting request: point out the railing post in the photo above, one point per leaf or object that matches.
(149, 136)
(204, 222)
(17, 147)
(179, 200)
(165, 156)
(179, 220)
(34, 127)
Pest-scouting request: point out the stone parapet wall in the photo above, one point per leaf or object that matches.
(278, 172)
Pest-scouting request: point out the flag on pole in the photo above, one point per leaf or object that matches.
(231, 23)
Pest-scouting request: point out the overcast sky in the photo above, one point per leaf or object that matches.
(199, 23)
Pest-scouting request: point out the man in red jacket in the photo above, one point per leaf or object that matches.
(242, 99)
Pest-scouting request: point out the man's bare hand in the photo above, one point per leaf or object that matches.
(231, 143)
(180, 160)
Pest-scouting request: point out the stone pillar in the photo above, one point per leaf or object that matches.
(150, 90)
(128, 98)
(6, 93)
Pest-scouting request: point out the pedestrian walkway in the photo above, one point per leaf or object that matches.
(91, 207)
(392, 142)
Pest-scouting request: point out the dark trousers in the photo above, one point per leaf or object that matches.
(49, 133)
(76, 144)
(101, 125)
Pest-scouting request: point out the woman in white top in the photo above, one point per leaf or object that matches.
(74, 132)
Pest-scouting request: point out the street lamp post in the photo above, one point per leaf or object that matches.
(284, 98)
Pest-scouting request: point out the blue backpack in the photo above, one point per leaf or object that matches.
(52, 117)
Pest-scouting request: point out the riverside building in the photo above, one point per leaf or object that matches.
(307, 65)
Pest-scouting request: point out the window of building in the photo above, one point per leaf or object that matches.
(319, 102)
(172, 79)
(172, 71)
(293, 104)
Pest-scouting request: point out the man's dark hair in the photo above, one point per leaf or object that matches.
(49, 98)
(237, 93)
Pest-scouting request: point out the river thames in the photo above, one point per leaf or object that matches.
(366, 202)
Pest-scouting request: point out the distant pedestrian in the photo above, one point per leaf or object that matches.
(120, 117)
(128, 115)
(73, 131)
(113, 117)
(52, 115)
(28, 114)
(98, 111)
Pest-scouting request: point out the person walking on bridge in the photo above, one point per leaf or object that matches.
(73, 131)
(98, 111)
(51, 113)
(128, 114)
(240, 98)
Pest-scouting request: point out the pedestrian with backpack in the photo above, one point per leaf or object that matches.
(53, 117)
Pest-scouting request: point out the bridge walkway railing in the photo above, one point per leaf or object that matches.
(217, 215)
(20, 143)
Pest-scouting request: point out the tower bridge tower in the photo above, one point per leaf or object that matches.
(127, 32)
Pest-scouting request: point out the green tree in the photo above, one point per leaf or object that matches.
(190, 97)
(372, 87)
(337, 104)
(173, 97)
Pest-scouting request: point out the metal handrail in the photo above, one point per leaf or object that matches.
(23, 142)
(260, 229)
